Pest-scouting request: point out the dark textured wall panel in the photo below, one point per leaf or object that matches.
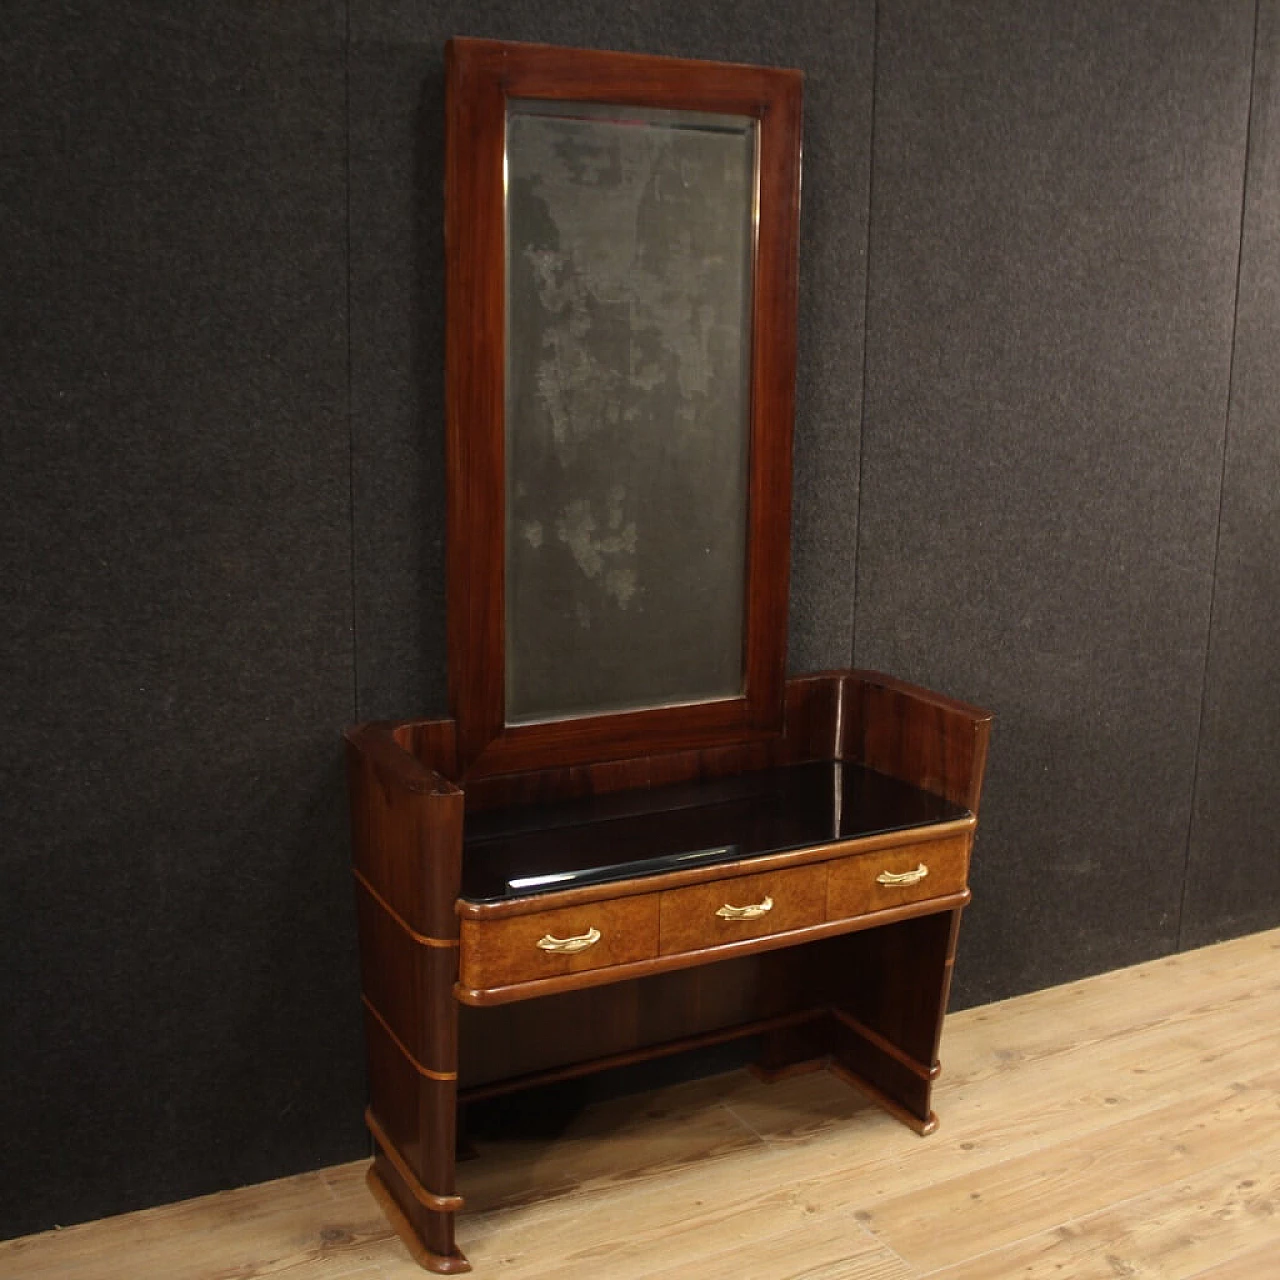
(176, 936)
(1233, 877)
(1055, 222)
(397, 375)
(833, 234)
(397, 321)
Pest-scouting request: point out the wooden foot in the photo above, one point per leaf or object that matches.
(442, 1264)
(923, 1127)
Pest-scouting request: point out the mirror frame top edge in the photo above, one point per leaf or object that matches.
(481, 75)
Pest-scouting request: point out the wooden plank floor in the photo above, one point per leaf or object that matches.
(1124, 1126)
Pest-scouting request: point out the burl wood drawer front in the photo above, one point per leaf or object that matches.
(497, 953)
(709, 915)
(896, 877)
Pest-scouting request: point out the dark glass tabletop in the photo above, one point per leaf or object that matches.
(531, 849)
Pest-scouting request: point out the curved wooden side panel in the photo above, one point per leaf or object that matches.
(406, 830)
(910, 733)
(406, 826)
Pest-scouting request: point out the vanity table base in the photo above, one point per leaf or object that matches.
(834, 952)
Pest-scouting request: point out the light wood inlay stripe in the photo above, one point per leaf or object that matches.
(428, 1199)
(417, 1066)
(421, 938)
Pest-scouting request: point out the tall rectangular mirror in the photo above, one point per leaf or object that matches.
(621, 236)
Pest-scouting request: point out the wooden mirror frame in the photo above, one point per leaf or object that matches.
(481, 75)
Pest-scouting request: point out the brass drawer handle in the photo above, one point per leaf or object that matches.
(752, 912)
(569, 946)
(903, 877)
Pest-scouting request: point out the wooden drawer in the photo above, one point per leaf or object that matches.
(855, 887)
(689, 921)
(497, 953)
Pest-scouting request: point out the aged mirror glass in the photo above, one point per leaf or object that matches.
(630, 238)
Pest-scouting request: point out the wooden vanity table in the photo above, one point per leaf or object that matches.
(634, 836)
